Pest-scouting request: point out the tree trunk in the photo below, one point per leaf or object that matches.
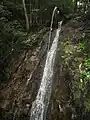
(30, 13)
(26, 16)
(75, 8)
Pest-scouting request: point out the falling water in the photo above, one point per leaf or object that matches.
(40, 105)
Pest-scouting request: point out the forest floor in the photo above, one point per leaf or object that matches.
(17, 96)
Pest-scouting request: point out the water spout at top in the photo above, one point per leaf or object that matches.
(52, 18)
(51, 26)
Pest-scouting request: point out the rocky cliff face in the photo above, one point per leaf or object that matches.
(17, 96)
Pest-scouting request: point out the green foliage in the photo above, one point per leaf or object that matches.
(84, 69)
(87, 104)
(76, 57)
(11, 36)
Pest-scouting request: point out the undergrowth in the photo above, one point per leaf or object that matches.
(77, 58)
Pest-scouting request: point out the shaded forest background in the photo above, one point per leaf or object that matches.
(19, 17)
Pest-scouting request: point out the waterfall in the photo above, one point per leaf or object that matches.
(40, 105)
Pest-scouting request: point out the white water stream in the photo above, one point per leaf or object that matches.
(40, 105)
